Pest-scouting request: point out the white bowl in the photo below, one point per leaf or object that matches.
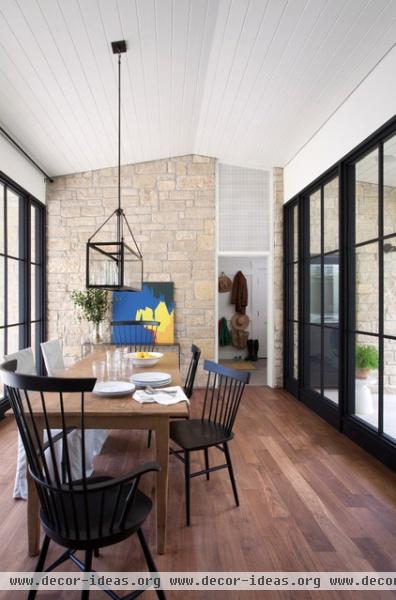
(155, 357)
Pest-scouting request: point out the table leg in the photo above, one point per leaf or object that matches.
(162, 457)
(33, 522)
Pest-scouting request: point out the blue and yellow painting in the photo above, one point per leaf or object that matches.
(154, 303)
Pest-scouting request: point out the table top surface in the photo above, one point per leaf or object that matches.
(114, 406)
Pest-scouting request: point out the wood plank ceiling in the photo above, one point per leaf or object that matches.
(249, 81)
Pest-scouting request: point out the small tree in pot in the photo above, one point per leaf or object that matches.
(366, 360)
(93, 306)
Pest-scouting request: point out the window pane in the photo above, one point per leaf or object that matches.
(315, 358)
(390, 387)
(295, 292)
(12, 339)
(330, 216)
(366, 379)
(366, 195)
(2, 315)
(390, 186)
(33, 225)
(315, 279)
(295, 232)
(13, 290)
(390, 287)
(1, 217)
(12, 224)
(367, 302)
(331, 289)
(330, 363)
(314, 223)
(295, 350)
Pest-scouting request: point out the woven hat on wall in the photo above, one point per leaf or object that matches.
(225, 283)
(239, 321)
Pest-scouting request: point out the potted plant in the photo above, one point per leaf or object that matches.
(93, 305)
(366, 360)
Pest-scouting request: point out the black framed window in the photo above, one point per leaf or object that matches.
(345, 291)
(22, 271)
(372, 334)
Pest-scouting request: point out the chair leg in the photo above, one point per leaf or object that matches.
(40, 563)
(96, 553)
(87, 568)
(149, 438)
(187, 484)
(206, 451)
(231, 472)
(149, 560)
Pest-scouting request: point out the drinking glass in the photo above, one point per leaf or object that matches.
(99, 369)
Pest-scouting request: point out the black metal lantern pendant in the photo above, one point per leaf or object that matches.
(114, 261)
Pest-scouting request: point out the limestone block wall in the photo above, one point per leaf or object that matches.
(170, 205)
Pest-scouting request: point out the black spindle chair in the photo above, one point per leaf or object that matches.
(190, 380)
(81, 514)
(223, 395)
(140, 335)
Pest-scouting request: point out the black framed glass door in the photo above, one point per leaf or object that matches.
(22, 272)
(321, 299)
(372, 331)
(340, 295)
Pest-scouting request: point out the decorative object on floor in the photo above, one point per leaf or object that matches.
(366, 360)
(239, 338)
(214, 428)
(93, 306)
(239, 365)
(86, 514)
(225, 283)
(239, 293)
(155, 302)
(114, 260)
(224, 333)
(253, 348)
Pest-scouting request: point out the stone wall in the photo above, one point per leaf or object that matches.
(278, 275)
(170, 205)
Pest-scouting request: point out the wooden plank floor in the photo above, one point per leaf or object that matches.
(311, 500)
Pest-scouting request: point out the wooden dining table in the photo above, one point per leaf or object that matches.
(116, 413)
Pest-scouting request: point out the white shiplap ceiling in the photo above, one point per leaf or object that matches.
(249, 81)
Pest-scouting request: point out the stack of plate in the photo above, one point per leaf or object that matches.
(153, 379)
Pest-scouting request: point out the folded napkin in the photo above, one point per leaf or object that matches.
(160, 397)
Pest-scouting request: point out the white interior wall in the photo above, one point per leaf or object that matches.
(230, 265)
(365, 110)
(14, 165)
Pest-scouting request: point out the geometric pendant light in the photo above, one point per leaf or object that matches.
(114, 260)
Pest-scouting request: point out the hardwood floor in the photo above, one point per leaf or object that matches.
(311, 500)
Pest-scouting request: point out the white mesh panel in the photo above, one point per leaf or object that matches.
(244, 196)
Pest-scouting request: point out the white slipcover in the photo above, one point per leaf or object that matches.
(94, 438)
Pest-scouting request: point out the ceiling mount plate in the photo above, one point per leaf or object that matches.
(119, 47)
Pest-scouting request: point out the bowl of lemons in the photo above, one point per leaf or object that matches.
(145, 359)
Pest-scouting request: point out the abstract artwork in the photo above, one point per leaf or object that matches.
(154, 303)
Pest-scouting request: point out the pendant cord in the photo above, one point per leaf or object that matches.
(119, 233)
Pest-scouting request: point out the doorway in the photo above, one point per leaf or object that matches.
(235, 353)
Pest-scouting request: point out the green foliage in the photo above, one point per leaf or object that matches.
(92, 304)
(366, 357)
